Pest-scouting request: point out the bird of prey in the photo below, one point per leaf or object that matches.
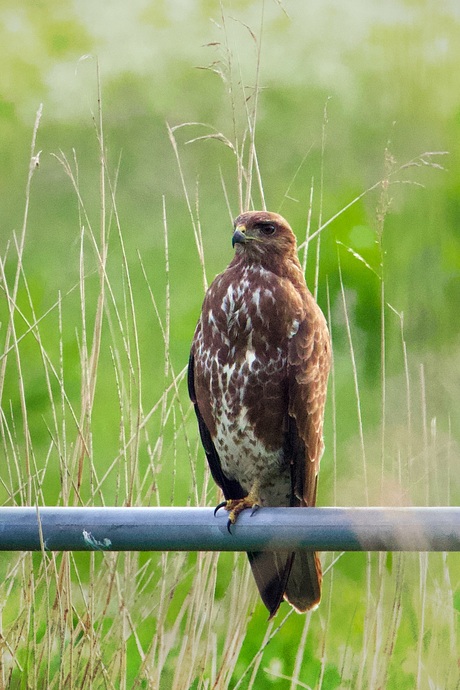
(258, 370)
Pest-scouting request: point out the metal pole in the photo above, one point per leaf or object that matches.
(196, 529)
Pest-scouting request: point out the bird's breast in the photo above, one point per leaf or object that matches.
(252, 303)
(249, 407)
(241, 354)
(249, 439)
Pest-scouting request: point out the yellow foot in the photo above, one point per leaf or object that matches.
(234, 506)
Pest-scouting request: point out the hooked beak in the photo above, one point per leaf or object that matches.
(239, 236)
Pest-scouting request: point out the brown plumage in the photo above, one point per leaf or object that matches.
(258, 373)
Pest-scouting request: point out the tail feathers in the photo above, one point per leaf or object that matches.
(271, 572)
(296, 576)
(303, 588)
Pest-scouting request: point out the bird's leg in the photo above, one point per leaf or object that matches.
(234, 506)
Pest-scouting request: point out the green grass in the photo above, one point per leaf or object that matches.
(94, 411)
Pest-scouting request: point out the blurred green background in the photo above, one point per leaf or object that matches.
(350, 93)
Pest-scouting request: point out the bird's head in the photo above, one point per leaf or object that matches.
(261, 234)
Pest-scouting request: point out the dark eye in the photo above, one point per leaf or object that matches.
(266, 228)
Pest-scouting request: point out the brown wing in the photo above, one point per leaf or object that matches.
(297, 575)
(308, 369)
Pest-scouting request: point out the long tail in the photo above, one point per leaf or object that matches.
(296, 576)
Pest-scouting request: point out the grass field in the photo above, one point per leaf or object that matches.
(108, 246)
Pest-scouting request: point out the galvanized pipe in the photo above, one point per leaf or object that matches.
(197, 529)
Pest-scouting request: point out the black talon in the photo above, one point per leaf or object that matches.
(229, 526)
(255, 508)
(221, 505)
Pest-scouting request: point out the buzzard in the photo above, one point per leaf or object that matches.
(257, 377)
